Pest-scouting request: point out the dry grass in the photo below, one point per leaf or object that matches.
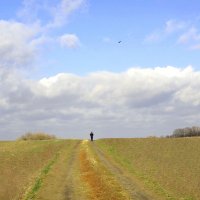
(169, 167)
(37, 136)
(21, 164)
(100, 183)
(55, 184)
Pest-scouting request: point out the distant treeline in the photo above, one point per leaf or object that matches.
(186, 132)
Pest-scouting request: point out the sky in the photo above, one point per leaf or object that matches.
(118, 68)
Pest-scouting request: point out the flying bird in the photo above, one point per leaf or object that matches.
(119, 41)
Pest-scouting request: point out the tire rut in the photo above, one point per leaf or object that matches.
(126, 181)
(70, 187)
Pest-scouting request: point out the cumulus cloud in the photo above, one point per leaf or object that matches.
(21, 41)
(17, 43)
(136, 102)
(69, 41)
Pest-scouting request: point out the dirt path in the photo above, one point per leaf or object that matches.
(122, 177)
(63, 180)
(71, 187)
(85, 173)
(100, 183)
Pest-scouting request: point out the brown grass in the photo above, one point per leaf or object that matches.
(55, 184)
(37, 136)
(21, 163)
(100, 182)
(169, 167)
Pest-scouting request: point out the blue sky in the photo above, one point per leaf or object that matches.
(99, 25)
(131, 22)
(61, 65)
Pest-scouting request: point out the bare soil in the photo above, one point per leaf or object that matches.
(70, 187)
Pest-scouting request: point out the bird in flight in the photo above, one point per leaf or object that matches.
(119, 41)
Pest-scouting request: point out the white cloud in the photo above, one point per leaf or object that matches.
(56, 12)
(69, 41)
(29, 10)
(20, 42)
(184, 33)
(64, 10)
(171, 27)
(136, 102)
(17, 43)
(190, 35)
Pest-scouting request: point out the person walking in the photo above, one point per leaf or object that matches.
(91, 136)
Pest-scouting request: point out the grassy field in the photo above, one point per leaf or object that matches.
(23, 165)
(168, 167)
(55, 170)
(106, 169)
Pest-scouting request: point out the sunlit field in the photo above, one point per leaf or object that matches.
(106, 169)
(169, 167)
(23, 165)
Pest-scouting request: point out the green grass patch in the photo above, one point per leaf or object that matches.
(38, 183)
(22, 161)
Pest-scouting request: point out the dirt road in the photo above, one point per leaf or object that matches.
(88, 174)
(103, 178)
(63, 182)
(71, 186)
